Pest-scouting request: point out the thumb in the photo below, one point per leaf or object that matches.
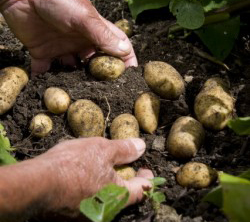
(100, 35)
(126, 151)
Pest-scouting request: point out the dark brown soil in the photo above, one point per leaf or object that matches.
(222, 150)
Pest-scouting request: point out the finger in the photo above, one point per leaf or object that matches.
(126, 151)
(97, 31)
(68, 60)
(136, 187)
(39, 66)
(130, 60)
(146, 173)
(87, 53)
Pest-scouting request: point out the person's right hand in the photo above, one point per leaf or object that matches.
(63, 28)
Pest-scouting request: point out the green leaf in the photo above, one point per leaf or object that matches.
(241, 126)
(5, 147)
(138, 6)
(157, 181)
(158, 197)
(189, 13)
(105, 204)
(209, 5)
(215, 197)
(236, 192)
(220, 37)
(245, 175)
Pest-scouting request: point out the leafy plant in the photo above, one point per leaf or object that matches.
(211, 19)
(155, 196)
(232, 196)
(105, 204)
(111, 199)
(241, 126)
(5, 148)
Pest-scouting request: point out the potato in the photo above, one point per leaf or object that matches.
(125, 172)
(125, 26)
(165, 213)
(185, 138)
(147, 108)
(12, 81)
(56, 100)
(124, 126)
(164, 80)
(196, 175)
(41, 125)
(214, 105)
(106, 67)
(86, 118)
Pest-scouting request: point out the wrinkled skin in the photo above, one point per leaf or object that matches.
(69, 172)
(62, 29)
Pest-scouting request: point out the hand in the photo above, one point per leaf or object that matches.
(62, 29)
(69, 172)
(83, 166)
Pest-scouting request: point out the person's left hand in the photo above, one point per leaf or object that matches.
(62, 29)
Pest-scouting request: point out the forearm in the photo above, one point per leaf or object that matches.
(25, 189)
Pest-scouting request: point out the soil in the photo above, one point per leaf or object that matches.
(223, 150)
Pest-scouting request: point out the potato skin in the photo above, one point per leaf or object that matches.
(214, 105)
(196, 175)
(164, 79)
(56, 100)
(185, 138)
(125, 172)
(41, 125)
(12, 81)
(124, 126)
(125, 26)
(147, 108)
(106, 67)
(86, 118)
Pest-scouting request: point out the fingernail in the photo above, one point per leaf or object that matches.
(139, 145)
(123, 46)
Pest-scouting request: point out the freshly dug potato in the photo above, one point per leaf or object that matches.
(125, 26)
(56, 100)
(124, 126)
(147, 108)
(86, 118)
(41, 125)
(164, 80)
(106, 67)
(196, 175)
(12, 81)
(185, 138)
(125, 172)
(214, 105)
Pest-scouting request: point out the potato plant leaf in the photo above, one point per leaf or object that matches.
(241, 126)
(189, 13)
(138, 6)
(236, 201)
(220, 37)
(209, 5)
(105, 204)
(158, 197)
(157, 181)
(5, 147)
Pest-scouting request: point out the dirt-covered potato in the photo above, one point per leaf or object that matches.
(125, 172)
(214, 105)
(86, 118)
(147, 108)
(196, 175)
(125, 26)
(185, 138)
(164, 79)
(56, 100)
(106, 67)
(41, 125)
(12, 81)
(124, 126)
(165, 213)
